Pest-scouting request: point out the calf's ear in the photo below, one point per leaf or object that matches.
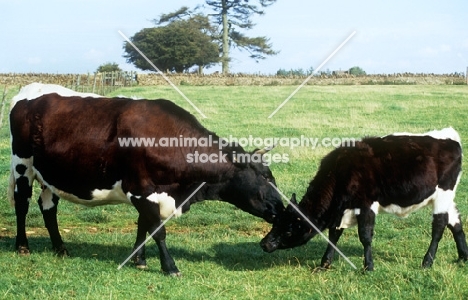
(293, 199)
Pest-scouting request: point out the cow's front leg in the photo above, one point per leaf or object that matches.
(48, 203)
(149, 211)
(366, 222)
(439, 222)
(139, 258)
(327, 259)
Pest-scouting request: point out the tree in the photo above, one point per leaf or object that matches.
(233, 15)
(356, 71)
(229, 18)
(176, 47)
(109, 67)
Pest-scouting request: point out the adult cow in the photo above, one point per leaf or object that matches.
(396, 174)
(69, 143)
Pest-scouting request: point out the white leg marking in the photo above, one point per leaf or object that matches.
(46, 196)
(167, 205)
(375, 207)
(349, 218)
(28, 173)
(27, 162)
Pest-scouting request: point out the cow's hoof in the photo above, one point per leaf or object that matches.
(23, 251)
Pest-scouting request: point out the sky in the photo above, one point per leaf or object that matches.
(397, 36)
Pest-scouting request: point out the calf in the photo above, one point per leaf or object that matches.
(397, 174)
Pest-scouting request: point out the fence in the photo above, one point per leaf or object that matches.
(99, 83)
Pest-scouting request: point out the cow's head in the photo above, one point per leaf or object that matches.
(250, 190)
(289, 230)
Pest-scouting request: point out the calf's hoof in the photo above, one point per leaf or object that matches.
(61, 251)
(140, 263)
(172, 274)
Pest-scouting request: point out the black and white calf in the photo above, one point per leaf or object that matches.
(396, 174)
(69, 143)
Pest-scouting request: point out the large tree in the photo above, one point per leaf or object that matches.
(177, 47)
(230, 17)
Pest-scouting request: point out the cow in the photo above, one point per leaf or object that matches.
(71, 144)
(395, 174)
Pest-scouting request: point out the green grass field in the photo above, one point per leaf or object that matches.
(216, 246)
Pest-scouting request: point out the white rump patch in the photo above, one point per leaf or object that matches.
(443, 134)
(445, 203)
(35, 90)
(167, 205)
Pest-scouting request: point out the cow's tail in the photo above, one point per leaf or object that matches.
(11, 187)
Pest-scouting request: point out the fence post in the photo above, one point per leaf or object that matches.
(3, 105)
(94, 83)
(466, 75)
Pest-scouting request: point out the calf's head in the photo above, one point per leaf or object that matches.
(289, 230)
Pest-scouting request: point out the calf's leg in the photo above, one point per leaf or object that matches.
(460, 239)
(439, 222)
(366, 223)
(327, 259)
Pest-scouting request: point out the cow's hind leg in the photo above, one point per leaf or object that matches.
(366, 223)
(23, 179)
(150, 212)
(48, 203)
(334, 236)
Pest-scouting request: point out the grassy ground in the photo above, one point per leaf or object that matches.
(216, 246)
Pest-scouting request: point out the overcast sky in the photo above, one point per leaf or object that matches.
(52, 36)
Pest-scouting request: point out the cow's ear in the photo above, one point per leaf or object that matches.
(239, 163)
(264, 150)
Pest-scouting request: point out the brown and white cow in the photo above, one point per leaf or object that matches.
(395, 174)
(71, 144)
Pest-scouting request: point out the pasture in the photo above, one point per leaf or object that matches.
(216, 246)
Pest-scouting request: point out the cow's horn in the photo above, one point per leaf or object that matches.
(264, 150)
